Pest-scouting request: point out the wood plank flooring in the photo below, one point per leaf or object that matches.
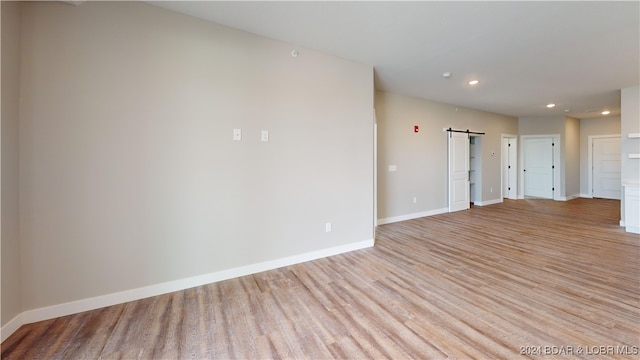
(522, 279)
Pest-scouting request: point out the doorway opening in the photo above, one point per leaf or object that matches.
(475, 170)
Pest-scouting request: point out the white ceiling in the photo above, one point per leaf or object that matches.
(577, 55)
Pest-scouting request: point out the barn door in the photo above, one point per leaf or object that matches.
(458, 171)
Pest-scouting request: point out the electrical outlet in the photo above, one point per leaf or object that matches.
(237, 134)
(415, 199)
(327, 227)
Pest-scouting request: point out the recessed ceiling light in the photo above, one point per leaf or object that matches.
(606, 112)
(551, 105)
(567, 110)
(446, 75)
(473, 82)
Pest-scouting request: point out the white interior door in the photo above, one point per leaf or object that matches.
(458, 171)
(538, 167)
(509, 168)
(606, 168)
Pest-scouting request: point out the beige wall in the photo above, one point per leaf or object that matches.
(129, 175)
(630, 123)
(593, 127)
(541, 125)
(572, 157)
(10, 301)
(421, 158)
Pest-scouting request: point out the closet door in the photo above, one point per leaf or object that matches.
(606, 168)
(538, 167)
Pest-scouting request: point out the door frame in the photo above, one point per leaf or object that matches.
(557, 164)
(475, 170)
(590, 159)
(502, 169)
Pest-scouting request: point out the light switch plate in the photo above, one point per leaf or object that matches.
(237, 134)
(265, 135)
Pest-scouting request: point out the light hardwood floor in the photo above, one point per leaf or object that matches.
(524, 278)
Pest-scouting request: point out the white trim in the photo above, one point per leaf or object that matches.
(590, 157)
(97, 302)
(488, 202)
(11, 327)
(567, 198)
(586, 196)
(393, 219)
(632, 229)
(502, 169)
(375, 171)
(622, 223)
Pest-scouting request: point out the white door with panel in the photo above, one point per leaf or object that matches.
(606, 168)
(509, 168)
(459, 198)
(538, 167)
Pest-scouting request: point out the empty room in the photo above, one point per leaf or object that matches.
(320, 180)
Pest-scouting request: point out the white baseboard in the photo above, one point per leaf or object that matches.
(11, 327)
(97, 302)
(393, 219)
(632, 229)
(588, 196)
(488, 202)
(570, 197)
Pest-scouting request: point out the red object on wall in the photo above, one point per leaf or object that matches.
(416, 128)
